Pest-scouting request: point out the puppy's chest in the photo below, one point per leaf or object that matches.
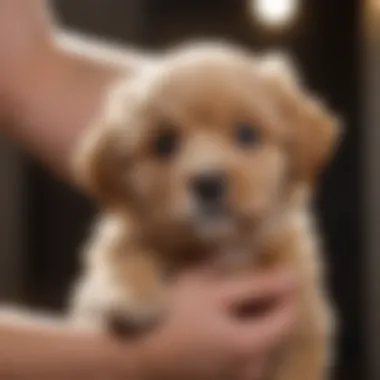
(284, 247)
(278, 250)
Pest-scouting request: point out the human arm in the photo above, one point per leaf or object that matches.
(201, 339)
(52, 83)
(34, 348)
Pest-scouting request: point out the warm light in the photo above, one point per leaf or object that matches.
(275, 13)
(376, 5)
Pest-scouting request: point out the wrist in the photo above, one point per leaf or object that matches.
(126, 360)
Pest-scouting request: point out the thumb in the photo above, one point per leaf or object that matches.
(257, 287)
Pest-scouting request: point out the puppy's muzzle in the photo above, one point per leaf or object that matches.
(209, 188)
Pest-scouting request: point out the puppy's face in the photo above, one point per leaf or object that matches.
(205, 144)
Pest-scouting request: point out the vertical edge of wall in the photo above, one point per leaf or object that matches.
(11, 222)
(371, 128)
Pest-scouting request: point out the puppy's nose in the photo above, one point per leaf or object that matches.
(209, 187)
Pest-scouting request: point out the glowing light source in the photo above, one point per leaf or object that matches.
(274, 13)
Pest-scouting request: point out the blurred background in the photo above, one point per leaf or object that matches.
(336, 46)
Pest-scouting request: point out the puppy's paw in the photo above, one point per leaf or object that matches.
(132, 324)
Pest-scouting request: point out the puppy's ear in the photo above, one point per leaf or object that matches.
(96, 163)
(312, 130)
(315, 134)
(101, 159)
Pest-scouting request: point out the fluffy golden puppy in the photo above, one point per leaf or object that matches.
(210, 151)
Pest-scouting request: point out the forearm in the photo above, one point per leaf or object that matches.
(51, 87)
(57, 97)
(36, 350)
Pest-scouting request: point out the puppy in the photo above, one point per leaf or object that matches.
(209, 151)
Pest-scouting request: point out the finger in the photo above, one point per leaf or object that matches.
(208, 271)
(262, 286)
(270, 330)
(195, 275)
(254, 370)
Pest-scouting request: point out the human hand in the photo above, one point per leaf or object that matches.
(203, 339)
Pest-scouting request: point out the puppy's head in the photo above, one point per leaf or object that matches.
(206, 142)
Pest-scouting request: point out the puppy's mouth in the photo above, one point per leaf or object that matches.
(214, 221)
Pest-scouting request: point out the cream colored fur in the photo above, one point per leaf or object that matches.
(150, 225)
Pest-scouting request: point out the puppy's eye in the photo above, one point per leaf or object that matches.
(166, 143)
(247, 135)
